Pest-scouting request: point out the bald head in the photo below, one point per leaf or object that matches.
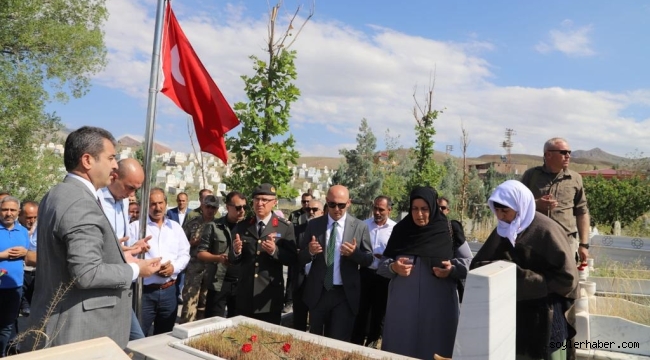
(127, 179)
(338, 201)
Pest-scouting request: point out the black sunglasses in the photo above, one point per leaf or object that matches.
(238, 207)
(305, 201)
(332, 205)
(443, 208)
(563, 152)
(313, 209)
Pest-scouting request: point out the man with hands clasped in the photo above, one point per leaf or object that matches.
(262, 245)
(339, 244)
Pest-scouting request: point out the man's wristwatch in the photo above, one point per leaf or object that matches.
(586, 246)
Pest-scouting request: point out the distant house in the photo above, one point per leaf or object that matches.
(608, 173)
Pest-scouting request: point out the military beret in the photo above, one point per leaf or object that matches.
(264, 189)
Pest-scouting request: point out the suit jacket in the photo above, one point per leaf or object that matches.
(362, 256)
(172, 214)
(297, 271)
(78, 249)
(261, 281)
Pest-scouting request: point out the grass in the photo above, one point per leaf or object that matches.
(623, 304)
(228, 344)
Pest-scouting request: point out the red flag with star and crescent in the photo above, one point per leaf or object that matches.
(188, 84)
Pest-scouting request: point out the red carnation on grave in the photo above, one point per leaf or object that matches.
(253, 338)
(286, 347)
(247, 348)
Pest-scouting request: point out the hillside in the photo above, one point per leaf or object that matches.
(581, 160)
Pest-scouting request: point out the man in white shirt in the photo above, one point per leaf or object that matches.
(168, 241)
(374, 288)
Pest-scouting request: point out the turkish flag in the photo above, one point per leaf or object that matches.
(189, 85)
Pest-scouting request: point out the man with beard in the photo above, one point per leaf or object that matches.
(374, 288)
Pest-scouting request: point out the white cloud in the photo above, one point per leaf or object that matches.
(568, 40)
(346, 74)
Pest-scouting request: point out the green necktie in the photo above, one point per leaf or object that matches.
(329, 273)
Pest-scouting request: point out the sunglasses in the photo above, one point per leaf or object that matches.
(563, 152)
(332, 205)
(313, 209)
(443, 208)
(238, 207)
(305, 201)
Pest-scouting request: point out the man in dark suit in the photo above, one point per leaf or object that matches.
(262, 244)
(81, 265)
(338, 245)
(298, 273)
(179, 213)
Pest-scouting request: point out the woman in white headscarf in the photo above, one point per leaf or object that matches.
(547, 277)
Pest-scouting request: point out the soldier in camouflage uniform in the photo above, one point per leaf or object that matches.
(196, 280)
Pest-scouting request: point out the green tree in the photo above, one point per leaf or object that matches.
(617, 199)
(359, 173)
(263, 151)
(449, 185)
(426, 171)
(48, 51)
(395, 170)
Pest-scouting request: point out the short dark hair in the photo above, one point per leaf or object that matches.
(203, 191)
(232, 194)
(307, 194)
(389, 202)
(441, 198)
(27, 202)
(182, 193)
(85, 140)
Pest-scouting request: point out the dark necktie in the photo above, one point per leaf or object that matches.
(260, 228)
(329, 272)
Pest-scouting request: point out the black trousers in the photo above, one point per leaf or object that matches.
(216, 301)
(369, 322)
(332, 316)
(300, 309)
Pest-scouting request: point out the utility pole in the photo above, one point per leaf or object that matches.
(507, 145)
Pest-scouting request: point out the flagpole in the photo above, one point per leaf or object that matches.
(148, 141)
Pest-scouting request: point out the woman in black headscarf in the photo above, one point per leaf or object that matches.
(424, 267)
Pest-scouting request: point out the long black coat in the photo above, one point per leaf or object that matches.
(261, 283)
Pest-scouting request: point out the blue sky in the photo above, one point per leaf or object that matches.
(572, 69)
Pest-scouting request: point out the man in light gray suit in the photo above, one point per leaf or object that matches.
(84, 278)
(337, 245)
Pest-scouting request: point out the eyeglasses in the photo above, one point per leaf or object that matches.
(315, 209)
(563, 152)
(332, 205)
(305, 201)
(238, 207)
(443, 208)
(263, 200)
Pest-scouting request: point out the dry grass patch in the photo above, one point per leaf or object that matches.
(246, 341)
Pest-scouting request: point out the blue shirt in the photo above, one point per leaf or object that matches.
(17, 236)
(32, 240)
(115, 212)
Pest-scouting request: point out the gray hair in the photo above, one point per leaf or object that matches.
(160, 190)
(553, 142)
(10, 198)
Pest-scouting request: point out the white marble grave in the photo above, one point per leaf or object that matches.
(97, 349)
(486, 328)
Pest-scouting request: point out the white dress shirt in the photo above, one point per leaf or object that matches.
(91, 187)
(115, 212)
(167, 242)
(181, 216)
(337, 247)
(379, 236)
